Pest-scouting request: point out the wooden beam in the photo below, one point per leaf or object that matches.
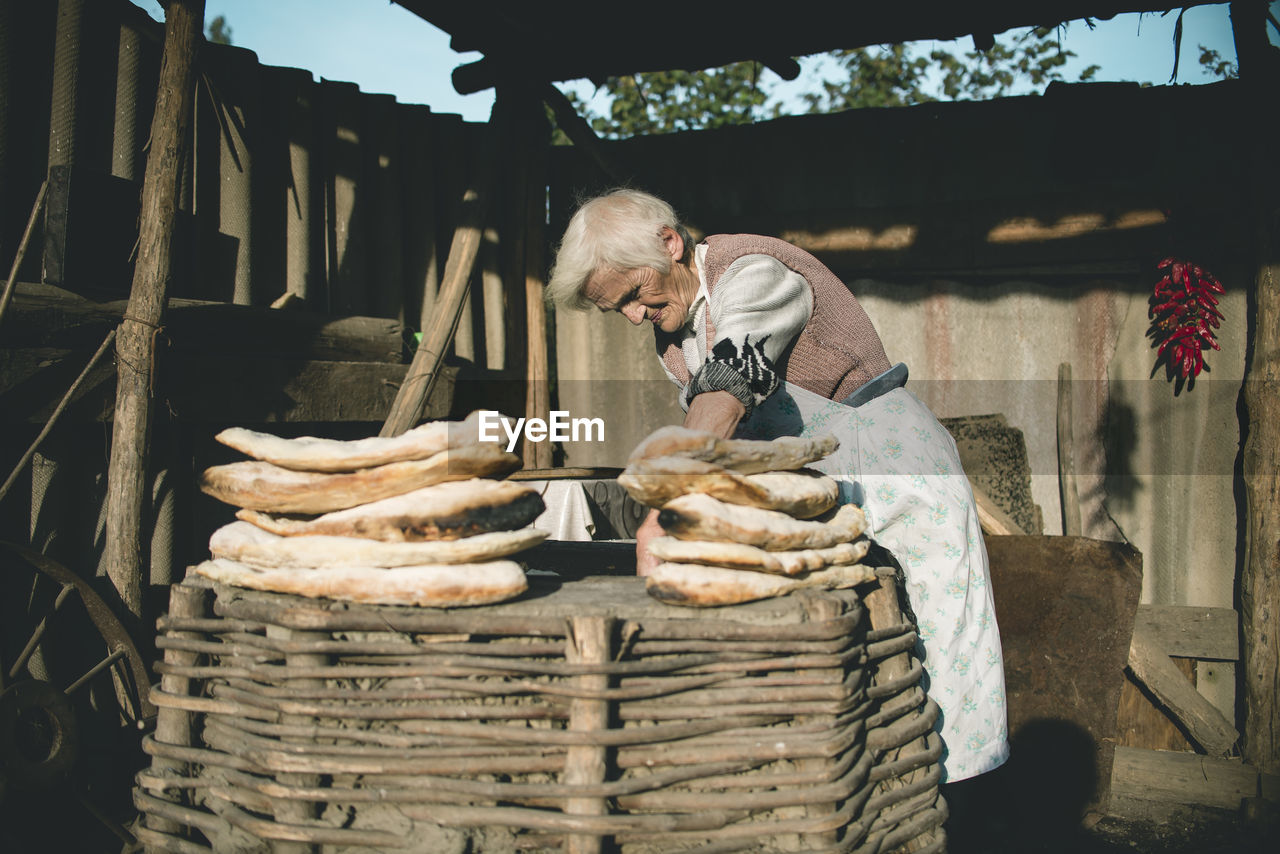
(1178, 780)
(1192, 631)
(135, 342)
(215, 388)
(579, 132)
(47, 316)
(1260, 574)
(1151, 666)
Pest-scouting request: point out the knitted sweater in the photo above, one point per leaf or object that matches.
(837, 351)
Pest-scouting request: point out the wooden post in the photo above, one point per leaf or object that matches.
(135, 343)
(174, 726)
(289, 810)
(588, 643)
(1260, 573)
(1067, 492)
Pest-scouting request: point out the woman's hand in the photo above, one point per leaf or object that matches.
(645, 562)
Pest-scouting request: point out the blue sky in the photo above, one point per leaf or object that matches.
(383, 48)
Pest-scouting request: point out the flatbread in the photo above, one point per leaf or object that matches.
(701, 517)
(748, 456)
(261, 485)
(309, 453)
(446, 511)
(740, 556)
(438, 586)
(709, 586)
(657, 480)
(249, 544)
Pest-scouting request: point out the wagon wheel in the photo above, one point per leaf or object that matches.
(72, 707)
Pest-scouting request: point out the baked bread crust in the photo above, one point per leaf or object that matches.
(310, 453)
(694, 585)
(701, 517)
(260, 485)
(748, 456)
(248, 544)
(803, 493)
(445, 511)
(431, 586)
(742, 556)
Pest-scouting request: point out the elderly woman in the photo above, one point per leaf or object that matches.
(763, 340)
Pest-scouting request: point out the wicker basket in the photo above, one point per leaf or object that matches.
(583, 717)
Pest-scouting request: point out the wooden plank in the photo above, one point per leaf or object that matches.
(1151, 666)
(1193, 631)
(992, 519)
(1181, 778)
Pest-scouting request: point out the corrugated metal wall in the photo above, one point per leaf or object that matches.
(343, 199)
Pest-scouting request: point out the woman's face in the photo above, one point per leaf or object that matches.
(663, 299)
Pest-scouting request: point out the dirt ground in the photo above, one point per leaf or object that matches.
(1199, 833)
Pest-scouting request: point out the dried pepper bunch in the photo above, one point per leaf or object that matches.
(1184, 313)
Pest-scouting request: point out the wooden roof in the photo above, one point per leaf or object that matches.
(556, 40)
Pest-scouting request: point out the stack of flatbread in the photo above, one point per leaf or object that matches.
(423, 518)
(744, 519)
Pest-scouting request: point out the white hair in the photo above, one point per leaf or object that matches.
(620, 230)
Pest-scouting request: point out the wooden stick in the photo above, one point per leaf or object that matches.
(57, 413)
(415, 391)
(135, 345)
(537, 401)
(22, 248)
(411, 399)
(1070, 496)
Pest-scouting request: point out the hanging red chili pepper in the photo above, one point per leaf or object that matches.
(1184, 313)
